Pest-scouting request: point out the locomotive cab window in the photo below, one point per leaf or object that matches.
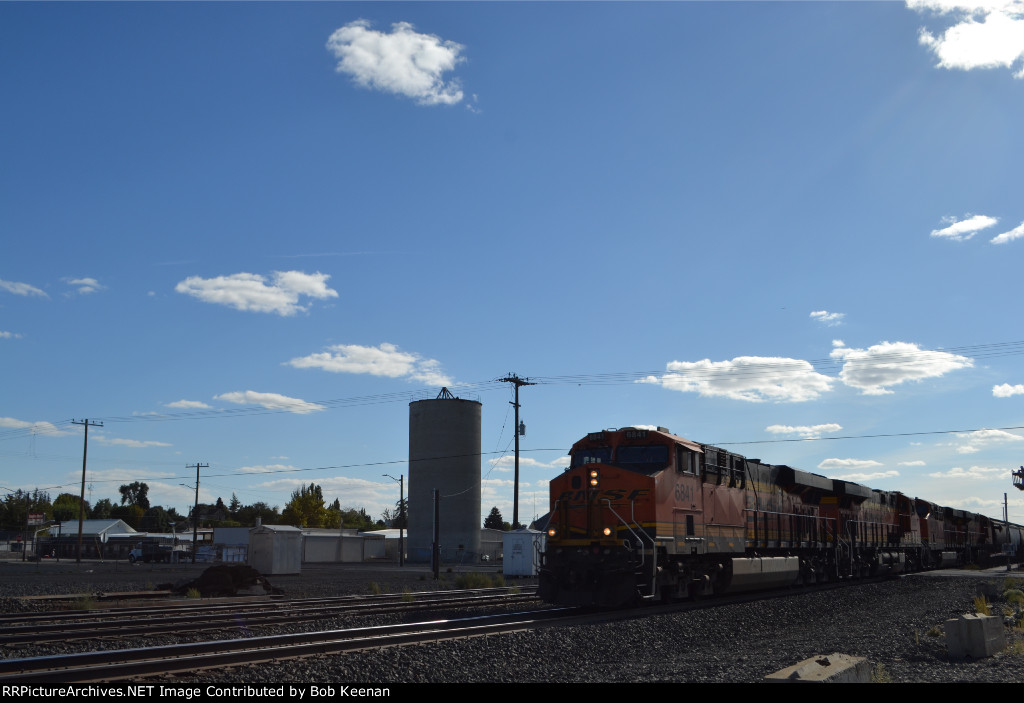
(686, 461)
(592, 455)
(642, 457)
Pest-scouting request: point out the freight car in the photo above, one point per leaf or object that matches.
(645, 514)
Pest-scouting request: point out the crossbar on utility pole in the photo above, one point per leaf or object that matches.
(81, 499)
(517, 382)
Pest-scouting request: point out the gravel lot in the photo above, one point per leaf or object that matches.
(895, 625)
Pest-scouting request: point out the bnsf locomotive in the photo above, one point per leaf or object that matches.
(642, 513)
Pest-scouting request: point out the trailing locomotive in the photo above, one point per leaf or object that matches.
(643, 514)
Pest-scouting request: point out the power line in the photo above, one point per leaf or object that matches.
(750, 371)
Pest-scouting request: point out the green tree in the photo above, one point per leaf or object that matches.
(16, 506)
(358, 519)
(131, 514)
(247, 514)
(135, 493)
(494, 520)
(66, 507)
(234, 506)
(396, 517)
(306, 508)
(101, 511)
(156, 520)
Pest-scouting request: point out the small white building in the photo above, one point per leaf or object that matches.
(392, 540)
(231, 544)
(522, 552)
(275, 549)
(346, 546)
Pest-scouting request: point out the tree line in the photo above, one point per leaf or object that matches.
(306, 508)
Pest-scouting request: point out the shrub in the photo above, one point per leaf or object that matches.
(374, 588)
(193, 593)
(981, 606)
(472, 580)
(84, 603)
(1014, 596)
(881, 675)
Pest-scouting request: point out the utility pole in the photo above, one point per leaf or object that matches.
(401, 517)
(81, 498)
(195, 508)
(519, 429)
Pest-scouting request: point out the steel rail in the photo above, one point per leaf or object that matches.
(154, 622)
(112, 665)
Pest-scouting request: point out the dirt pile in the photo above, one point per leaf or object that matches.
(227, 580)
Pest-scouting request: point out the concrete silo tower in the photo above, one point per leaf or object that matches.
(444, 454)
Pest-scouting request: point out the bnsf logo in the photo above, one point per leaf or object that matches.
(610, 494)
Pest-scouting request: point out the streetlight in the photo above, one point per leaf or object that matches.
(401, 517)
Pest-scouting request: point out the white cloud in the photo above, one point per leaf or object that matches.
(874, 369)
(508, 462)
(1015, 233)
(350, 492)
(992, 436)
(750, 378)
(135, 443)
(984, 34)
(41, 428)
(867, 478)
(830, 319)
(84, 285)
(916, 462)
(1005, 390)
(21, 288)
(804, 430)
(266, 469)
(383, 360)
(271, 401)
(404, 62)
(975, 472)
(980, 439)
(962, 230)
(849, 464)
(188, 405)
(249, 291)
(9, 335)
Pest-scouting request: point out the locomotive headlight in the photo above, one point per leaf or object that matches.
(607, 531)
(595, 478)
(552, 532)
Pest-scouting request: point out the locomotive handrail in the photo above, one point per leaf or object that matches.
(639, 535)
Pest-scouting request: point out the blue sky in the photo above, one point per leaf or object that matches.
(248, 235)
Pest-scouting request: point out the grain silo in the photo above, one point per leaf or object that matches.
(444, 454)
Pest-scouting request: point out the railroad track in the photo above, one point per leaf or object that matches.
(191, 657)
(113, 665)
(68, 626)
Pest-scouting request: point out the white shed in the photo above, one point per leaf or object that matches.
(275, 549)
(328, 546)
(522, 550)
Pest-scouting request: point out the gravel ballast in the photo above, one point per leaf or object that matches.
(896, 625)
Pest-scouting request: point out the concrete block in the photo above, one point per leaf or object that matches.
(975, 636)
(834, 668)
